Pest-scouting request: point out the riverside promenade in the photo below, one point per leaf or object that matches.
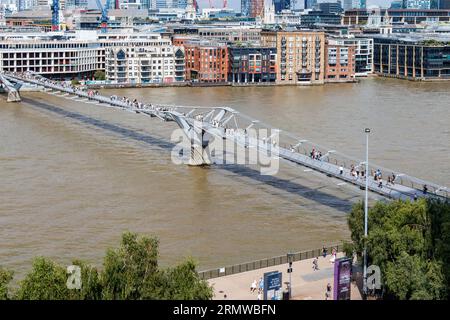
(307, 284)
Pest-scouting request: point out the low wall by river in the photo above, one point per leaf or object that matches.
(264, 263)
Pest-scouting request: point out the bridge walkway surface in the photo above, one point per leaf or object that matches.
(226, 123)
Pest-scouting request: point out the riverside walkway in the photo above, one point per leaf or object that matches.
(307, 284)
(224, 123)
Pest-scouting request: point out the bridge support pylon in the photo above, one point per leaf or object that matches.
(13, 96)
(195, 138)
(199, 156)
(13, 91)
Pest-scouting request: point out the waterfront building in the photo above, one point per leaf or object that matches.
(79, 54)
(339, 62)
(141, 65)
(300, 55)
(412, 57)
(206, 61)
(363, 48)
(252, 64)
(410, 16)
(63, 59)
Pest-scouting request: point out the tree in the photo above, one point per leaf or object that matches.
(183, 283)
(131, 272)
(128, 268)
(99, 75)
(5, 278)
(46, 281)
(409, 241)
(91, 287)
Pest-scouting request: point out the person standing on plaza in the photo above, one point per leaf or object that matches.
(316, 264)
(333, 255)
(253, 286)
(328, 292)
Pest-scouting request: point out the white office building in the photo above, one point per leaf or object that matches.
(64, 59)
(141, 65)
(363, 53)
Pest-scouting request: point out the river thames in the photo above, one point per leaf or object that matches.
(74, 177)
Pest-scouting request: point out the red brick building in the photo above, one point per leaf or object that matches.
(256, 8)
(339, 63)
(206, 61)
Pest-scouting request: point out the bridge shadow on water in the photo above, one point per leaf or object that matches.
(314, 194)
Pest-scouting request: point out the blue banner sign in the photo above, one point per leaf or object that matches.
(273, 285)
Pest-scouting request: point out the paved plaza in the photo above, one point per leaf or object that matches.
(307, 284)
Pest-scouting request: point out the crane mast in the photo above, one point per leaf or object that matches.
(104, 19)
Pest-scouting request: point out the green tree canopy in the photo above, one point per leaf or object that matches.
(46, 281)
(409, 241)
(99, 75)
(5, 278)
(129, 272)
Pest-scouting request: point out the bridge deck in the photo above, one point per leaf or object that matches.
(397, 190)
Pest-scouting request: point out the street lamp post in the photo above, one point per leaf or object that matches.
(367, 131)
(290, 257)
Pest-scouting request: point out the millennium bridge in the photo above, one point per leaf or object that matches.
(202, 125)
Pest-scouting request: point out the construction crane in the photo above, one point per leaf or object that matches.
(104, 10)
(55, 15)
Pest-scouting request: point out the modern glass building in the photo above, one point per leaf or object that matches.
(443, 4)
(309, 4)
(245, 8)
(419, 58)
(330, 7)
(417, 4)
(282, 5)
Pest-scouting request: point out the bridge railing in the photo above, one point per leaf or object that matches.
(287, 141)
(265, 263)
